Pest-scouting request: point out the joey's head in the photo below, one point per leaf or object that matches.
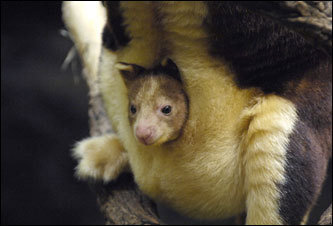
(158, 105)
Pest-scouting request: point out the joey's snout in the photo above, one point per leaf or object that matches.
(145, 134)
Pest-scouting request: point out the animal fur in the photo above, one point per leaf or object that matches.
(149, 92)
(258, 134)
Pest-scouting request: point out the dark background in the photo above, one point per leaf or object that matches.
(43, 113)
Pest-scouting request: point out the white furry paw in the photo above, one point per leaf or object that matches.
(100, 158)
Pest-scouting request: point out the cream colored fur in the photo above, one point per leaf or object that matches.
(85, 21)
(100, 158)
(232, 151)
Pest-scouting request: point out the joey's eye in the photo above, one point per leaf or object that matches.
(166, 110)
(133, 109)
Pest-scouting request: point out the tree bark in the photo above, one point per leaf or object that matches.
(122, 202)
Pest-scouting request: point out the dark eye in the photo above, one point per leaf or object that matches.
(133, 109)
(166, 110)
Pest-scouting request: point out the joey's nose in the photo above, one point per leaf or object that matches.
(144, 134)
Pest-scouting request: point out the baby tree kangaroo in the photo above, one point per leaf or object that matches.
(157, 112)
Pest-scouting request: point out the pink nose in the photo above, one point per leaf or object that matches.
(144, 134)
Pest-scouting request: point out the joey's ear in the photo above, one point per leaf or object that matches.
(129, 71)
(171, 68)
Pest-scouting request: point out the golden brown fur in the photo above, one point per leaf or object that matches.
(231, 156)
(223, 120)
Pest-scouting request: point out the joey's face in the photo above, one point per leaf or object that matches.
(158, 109)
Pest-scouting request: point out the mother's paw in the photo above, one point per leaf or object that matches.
(100, 158)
